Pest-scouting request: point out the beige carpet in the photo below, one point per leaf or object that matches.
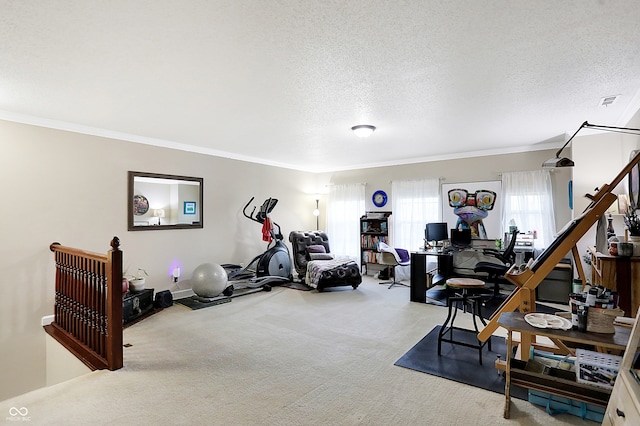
(286, 357)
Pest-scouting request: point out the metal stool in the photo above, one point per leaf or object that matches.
(473, 301)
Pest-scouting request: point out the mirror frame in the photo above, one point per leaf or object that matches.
(130, 218)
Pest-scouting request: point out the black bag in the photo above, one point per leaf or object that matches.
(163, 299)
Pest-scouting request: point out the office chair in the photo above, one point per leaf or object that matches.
(392, 258)
(495, 271)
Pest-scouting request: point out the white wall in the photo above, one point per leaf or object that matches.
(612, 151)
(463, 170)
(61, 365)
(72, 188)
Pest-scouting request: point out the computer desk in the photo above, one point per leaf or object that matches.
(419, 272)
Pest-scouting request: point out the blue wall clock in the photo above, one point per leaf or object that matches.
(379, 198)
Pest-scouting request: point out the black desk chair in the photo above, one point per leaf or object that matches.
(495, 271)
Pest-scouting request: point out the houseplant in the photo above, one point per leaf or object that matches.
(137, 280)
(632, 221)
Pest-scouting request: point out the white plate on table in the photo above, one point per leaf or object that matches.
(547, 321)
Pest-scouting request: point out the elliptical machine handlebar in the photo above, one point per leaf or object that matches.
(250, 216)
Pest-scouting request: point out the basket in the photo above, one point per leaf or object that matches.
(601, 320)
(598, 369)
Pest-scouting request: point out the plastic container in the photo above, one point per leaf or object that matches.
(576, 286)
(583, 312)
(597, 369)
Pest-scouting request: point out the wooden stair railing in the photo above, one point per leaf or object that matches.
(88, 305)
(523, 297)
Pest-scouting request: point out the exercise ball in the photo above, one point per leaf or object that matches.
(209, 280)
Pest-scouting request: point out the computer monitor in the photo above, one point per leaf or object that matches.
(461, 237)
(437, 231)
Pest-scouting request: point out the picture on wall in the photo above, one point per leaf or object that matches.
(140, 205)
(189, 207)
(475, 206)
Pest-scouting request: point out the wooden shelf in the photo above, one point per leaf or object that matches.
(621, 274)
(560, 382)
(375, 227)
(562, 386)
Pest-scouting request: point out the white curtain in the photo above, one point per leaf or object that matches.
(528, 201)
(345, 206)
(414, 204)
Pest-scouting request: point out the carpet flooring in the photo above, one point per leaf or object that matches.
(460, 363)
(285, 358)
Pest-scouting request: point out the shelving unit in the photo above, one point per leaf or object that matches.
(621, 274)
(375, 227)
(624, 405)
(559, 383)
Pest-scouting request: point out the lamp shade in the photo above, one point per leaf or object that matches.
(158, 212)
(558, 162)
(363, 130)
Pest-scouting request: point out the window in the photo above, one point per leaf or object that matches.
(528, 201)
(345, 206)
(414, 204)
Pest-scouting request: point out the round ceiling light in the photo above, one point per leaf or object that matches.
(363, 130)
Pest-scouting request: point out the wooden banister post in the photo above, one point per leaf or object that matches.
(114, 305)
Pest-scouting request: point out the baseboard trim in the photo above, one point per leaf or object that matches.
(48, 319)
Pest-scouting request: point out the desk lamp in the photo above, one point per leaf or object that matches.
(566, 162)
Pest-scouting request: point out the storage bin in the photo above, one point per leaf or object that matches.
(601, 320)
(558, 405)
(598, 369)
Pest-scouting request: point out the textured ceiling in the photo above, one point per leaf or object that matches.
(282, 82)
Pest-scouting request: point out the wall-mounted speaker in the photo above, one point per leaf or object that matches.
(163, 299)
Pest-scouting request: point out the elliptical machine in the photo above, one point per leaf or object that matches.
(270, 268)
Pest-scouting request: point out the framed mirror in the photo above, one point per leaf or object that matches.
(158, 201)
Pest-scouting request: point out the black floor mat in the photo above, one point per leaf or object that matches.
(460, 363)
(297, 286)
(195, 304)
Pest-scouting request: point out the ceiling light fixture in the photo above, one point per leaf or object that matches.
(566, 162)
(363, 130)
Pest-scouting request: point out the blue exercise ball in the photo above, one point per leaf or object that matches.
(209, 280)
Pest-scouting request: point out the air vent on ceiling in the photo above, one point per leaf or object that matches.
(607, 100)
